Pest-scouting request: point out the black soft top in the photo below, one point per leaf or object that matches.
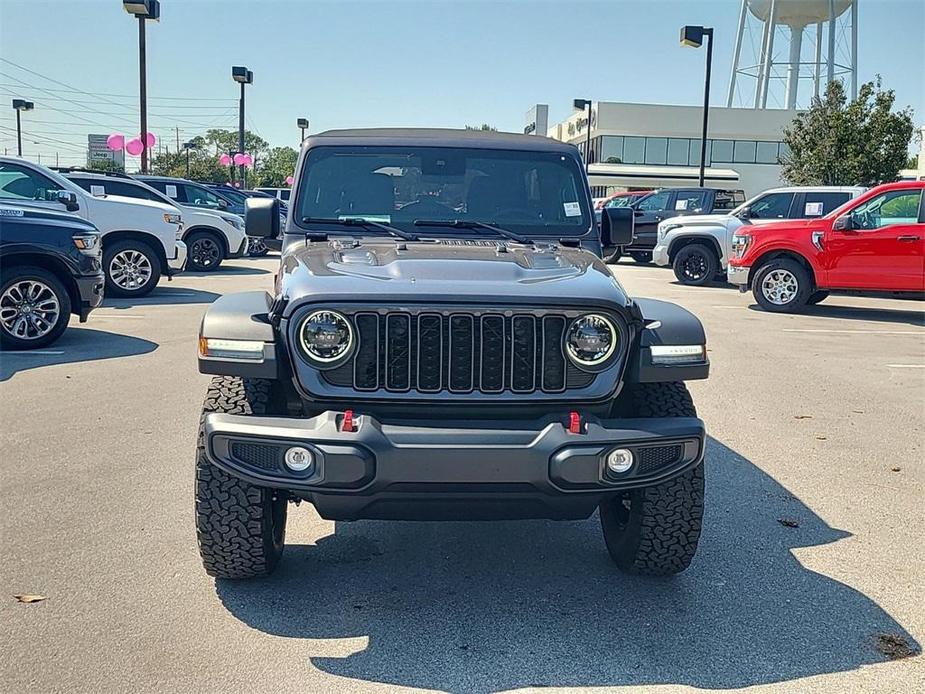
(438, 137)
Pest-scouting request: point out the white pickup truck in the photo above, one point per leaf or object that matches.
(141, 238)
(211, 236)
(698, 247)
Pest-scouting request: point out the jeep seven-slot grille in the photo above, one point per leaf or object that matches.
(459, 352)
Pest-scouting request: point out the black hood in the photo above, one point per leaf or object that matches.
(446, 270)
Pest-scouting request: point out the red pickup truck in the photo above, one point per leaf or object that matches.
(874, 243)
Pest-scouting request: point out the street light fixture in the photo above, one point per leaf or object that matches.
(303, 124)
(188, 146)
(20, 105)
(143, 10)
(243, 76)
(580, 105)
(694, 36)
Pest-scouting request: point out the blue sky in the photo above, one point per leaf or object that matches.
(385, 63)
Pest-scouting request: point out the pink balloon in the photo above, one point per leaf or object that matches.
(248, 160)
(225, 160)
(239, 159)
(115, 142)
(150, 140)
(289, 180)
(134, 146)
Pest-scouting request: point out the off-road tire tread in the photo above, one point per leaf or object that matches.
(664, 528)
(233, 517)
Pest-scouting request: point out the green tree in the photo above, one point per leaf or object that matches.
(483, 126)
(223, 141)
(277, 165)
(841, 142)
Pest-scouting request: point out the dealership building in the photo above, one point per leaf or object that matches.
(640, 146)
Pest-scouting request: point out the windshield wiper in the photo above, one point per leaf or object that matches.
(471, 224)
(360, 222)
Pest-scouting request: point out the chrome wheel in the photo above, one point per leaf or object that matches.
(780, 287)
(256, 246)
(29, 309)
(204, 253)
(130, 270)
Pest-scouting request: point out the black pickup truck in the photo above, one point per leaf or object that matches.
(671, 202)
(443, 341)
(49, 269)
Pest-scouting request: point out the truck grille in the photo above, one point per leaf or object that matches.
(458, 352)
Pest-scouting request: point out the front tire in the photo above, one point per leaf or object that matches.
(241, 528)
(614, 255)
(132, 268)
(34, 308)
(641, 257)
(655, 530)
(695, 265)
(257, 247)
(817, 296)
(204, 251)
(782, 285)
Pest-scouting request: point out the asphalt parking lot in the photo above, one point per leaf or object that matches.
(810, 564)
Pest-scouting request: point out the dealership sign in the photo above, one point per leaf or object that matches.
(98, 150)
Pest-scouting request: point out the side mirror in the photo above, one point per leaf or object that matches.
(68, 199)
(745, 213)
(617, 226)
(222, 204)
(261, 217)
(843, 223)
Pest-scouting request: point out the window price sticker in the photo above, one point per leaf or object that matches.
(813, 209)
(97, 191)
(171, 192)
(680, 204)
(572, 209)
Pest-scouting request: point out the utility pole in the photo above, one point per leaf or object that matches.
(178, 139)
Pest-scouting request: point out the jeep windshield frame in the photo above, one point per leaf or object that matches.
(531, 193)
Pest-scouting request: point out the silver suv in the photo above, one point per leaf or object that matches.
(698, 247)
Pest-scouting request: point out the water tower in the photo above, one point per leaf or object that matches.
(771, 56)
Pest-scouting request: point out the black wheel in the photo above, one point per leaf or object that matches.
(655, 530)
(256, 247)
(695, 264)
(641, 257)
(613, 255)
(818, 296)
(241, 528)
(204, 251)
(782, 285)
(34, 307)
(132, 268)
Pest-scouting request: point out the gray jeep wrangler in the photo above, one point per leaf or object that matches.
(443, 341)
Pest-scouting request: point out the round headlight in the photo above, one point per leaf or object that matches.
(326, 336)
(591, 340)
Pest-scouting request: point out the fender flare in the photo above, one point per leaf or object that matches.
(665, 323)
(243, 316)
(682, 240)
(157, 245)
(222, 237)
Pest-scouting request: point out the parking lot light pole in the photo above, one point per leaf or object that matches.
(143, 10)
(188, 146)
(580, 105)
(303, 125)
(20, 105)
(242, 76)
(694, 36)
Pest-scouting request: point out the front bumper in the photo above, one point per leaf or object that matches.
(738, 275)
(451, 470)
(175, 265)
(660, 255)
(90, 291)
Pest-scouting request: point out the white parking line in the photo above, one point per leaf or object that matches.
(906, 366)
(27, 352)
(854, 332)
(99, 315)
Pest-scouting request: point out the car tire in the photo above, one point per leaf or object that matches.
(132, 268)
(241, 528)
(34, 307)
(695, 265)
(782, 285)
(612, 255)
(641, 257)
(655, 530)
(204, 251)
(817, 296)
(257, 247)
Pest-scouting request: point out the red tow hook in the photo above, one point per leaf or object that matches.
(348, 424)
(574, 423)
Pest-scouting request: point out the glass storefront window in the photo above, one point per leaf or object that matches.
(611, 150)
(695, 152)
(722, 151)
(767, 153)
(634, 150)
(656, 150)
(744, 152)
(678, 151)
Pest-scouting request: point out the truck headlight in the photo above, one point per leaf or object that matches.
(326, 336)
(87, 243)
(665, 228)
(172, 218)
(740, 244)
(237, 223)
(591, 340)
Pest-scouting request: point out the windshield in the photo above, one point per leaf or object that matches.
(533, 193)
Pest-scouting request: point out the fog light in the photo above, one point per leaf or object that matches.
(619, 460)
(299, 459)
